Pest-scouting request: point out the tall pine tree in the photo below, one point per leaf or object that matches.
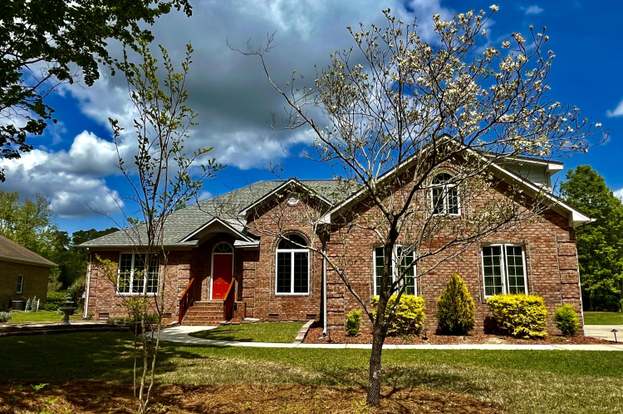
(600, 244)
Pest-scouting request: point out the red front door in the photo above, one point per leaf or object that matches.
(222, 268)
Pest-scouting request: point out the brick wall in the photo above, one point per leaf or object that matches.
(35, 282)
(259, 271)
(548, 241)
(104, 302)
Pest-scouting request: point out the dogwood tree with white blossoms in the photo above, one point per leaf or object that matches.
(394, 98)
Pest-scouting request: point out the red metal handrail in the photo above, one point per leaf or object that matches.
(187, 299)
(229, 300)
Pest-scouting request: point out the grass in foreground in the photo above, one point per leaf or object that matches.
(512, 381)
(253, 332)
(42, 316)
(603, 318)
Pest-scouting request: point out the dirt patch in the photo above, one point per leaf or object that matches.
(314, 336)
(96, 397)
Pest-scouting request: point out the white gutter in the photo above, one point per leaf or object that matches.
(324, 292)
(86, 296)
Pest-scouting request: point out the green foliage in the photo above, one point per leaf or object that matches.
(408, 318)
(29, 223)
(5, 317)
(521, 316)
(66, 36)
(600, 244)
(55, 300)
(456, 308)
(567, 320)
(353, 322)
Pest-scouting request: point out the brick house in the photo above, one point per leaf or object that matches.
(23, 273)
(227, 258)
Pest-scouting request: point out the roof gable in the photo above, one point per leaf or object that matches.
(576, 218)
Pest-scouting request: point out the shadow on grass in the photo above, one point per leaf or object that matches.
(223, 333)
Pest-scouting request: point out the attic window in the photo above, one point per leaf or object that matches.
(292, 201)
(444, 195)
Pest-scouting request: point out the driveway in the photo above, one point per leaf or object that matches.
(604, 331)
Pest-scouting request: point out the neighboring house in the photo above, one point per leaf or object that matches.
(226, 253)
(23, 273)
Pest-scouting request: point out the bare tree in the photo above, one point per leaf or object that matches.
(162, 176)
(394, 111)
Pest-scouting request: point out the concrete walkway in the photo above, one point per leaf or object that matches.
(180, 334)
(604, 332)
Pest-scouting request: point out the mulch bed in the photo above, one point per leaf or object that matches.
(98, 397)
(314, 336)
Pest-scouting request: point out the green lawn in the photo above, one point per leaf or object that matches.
(517, 381)
(254, 332)
(603, 318)
(42, 316)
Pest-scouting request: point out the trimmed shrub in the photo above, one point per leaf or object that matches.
(521, 316)
(567, 320)
(409, 316)
(5, 317)
(456, 308)
(353, 322)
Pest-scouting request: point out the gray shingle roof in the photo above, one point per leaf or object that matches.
(226, 207)
(16, 253)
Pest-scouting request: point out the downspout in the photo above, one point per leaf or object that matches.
(324, 290)
(86, 297)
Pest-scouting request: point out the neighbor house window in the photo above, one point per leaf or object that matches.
(406, 270)
(138, 273)
(504, 269)
(444, 195)
(292, 266)
(19, 288)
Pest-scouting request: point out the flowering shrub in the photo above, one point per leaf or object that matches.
(409, 316)
(521, 316)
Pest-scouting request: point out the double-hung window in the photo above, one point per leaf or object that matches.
(292, 270)
(19, 288)
(404, 272)
(504, 269)
(138, 274)
(444, 195)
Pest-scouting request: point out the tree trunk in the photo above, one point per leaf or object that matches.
(374, 373)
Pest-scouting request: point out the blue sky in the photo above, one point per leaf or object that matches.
(73, 162)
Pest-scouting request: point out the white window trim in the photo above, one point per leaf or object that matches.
(503, 265)
(20, 283)
(292, 251)
(144, 292)
(394, 272)
(445, 187)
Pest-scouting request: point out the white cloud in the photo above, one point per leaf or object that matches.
(70, 180)
(619, 193)
(533, 10)
(229, 92)
(618, 111)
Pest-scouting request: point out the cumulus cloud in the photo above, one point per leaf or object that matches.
(533, 10)
(72, 191)
(229, 92)
(234, 103)
(619, 193)
(618, 111)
